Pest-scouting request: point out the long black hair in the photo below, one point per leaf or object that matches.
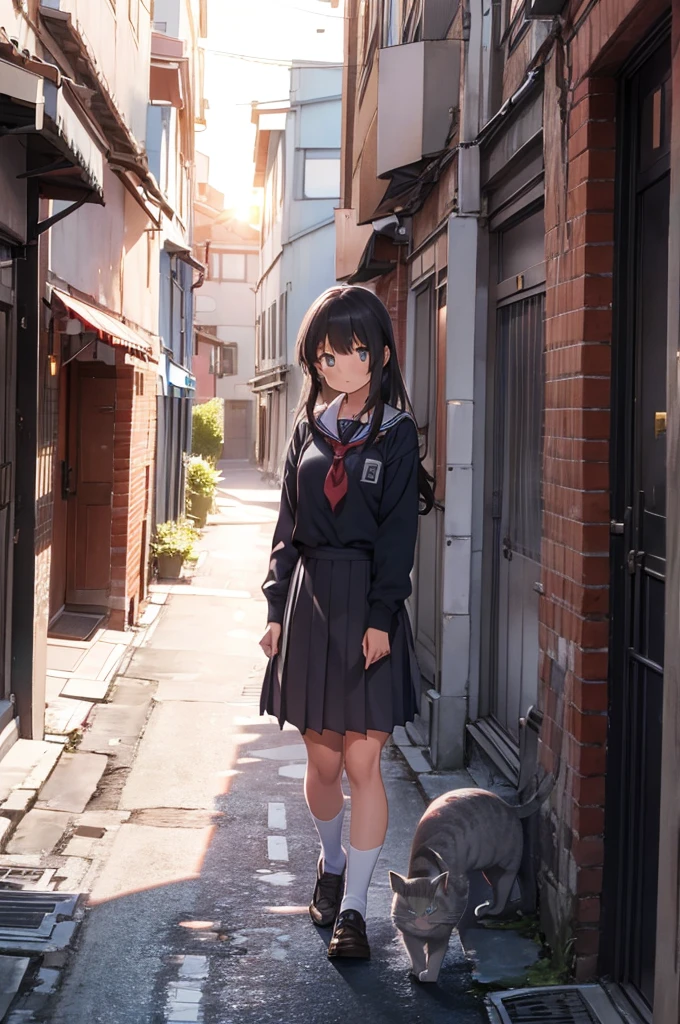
(341, 315)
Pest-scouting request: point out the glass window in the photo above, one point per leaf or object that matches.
(321, 174)
(233, 266)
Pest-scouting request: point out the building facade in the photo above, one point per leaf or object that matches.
(82, 223)
(533, 175)
(297, 163)
(176, 111)
(225, 315)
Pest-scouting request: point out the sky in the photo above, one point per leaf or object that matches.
(273, 32)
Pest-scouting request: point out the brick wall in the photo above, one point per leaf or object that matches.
(392, 288)
(580, 159)
(133, 456)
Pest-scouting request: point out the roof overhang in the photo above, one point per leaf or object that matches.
(64, 146)
(183, 252)
(269, 117)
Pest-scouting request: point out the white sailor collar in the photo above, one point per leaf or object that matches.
(328, 420)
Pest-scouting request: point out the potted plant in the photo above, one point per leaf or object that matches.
(173, 545)
(201, 485)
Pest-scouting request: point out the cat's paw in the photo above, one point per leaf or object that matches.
(426, 976)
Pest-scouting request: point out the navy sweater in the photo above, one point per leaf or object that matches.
(379, 514)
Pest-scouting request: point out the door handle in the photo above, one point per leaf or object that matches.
(66, 472)
(634, 560)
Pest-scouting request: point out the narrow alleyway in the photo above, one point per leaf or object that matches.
(199, 910)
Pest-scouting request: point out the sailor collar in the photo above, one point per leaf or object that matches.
(328, 420)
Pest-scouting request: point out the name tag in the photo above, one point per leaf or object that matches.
(371, 471)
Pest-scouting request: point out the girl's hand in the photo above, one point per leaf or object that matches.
(375, 645)
(270, 641)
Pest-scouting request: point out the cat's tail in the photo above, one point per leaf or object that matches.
(543, 791)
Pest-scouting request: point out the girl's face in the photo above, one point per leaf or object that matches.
(346, 373)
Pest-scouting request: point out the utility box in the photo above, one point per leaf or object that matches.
(544, 8)
(418, 97)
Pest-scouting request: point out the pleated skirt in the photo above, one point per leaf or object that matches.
(318, 680)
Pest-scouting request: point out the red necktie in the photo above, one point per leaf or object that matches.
(335, 484)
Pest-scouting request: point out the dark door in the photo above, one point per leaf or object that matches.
(88, 576)
(518, 450)
(7, 418)
(640, 506)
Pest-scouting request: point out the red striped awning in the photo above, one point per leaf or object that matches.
(115, 331)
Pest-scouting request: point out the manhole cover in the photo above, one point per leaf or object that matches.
(585, 1004)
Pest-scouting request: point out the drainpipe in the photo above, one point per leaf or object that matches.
(456, 698)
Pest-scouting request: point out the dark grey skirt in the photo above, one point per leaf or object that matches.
(318, 680)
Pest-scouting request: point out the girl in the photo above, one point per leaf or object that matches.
(342, 665)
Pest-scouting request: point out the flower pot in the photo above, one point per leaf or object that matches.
(169, 566)
(199, 507)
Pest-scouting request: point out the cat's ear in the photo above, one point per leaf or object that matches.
(441, 882)
(397, 883)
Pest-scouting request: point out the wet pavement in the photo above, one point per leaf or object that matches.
(198, 911)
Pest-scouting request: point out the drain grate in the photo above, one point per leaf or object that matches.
(564, 1005)
(12, 877)
(35, 921)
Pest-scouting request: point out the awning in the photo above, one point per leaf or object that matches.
(24, 91)
(269, 379)
(165, 83)
(115, 331)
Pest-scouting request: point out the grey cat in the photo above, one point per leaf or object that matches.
(461, 831)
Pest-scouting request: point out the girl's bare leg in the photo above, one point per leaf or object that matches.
(323, 792)
(369, 815)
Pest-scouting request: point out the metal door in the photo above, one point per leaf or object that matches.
(90, 489)
(639, 557)
(7, 420)
(517, 510)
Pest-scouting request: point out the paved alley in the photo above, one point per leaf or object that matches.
(198, 908)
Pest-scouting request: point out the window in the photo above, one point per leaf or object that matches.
(321, 174)
(227, 360)
(272, 329)
(227, 266)
(283, 301)
(263, 336)
(133, 14)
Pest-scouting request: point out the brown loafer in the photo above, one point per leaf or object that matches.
(349, 937)
(327, 897)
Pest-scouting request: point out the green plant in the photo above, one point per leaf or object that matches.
(175, 538)
(207, 437)
(202, 478)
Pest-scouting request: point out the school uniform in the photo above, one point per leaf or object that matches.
(341, 560)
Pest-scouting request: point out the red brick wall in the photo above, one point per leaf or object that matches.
(133, 456)
(580, 151)
(392, 288)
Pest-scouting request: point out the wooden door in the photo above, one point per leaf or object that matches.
(90, 473)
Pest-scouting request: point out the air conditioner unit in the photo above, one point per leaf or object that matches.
(544, 8)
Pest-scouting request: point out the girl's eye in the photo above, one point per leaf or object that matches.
(330, 360)
(363, 354)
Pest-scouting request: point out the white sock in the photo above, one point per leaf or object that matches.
(330, 834)
(360, 867)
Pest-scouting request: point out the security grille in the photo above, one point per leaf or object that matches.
(35, 921)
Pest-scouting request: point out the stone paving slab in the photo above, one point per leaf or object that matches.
(64, 658)
(86, 689)
(198, 736)
(21, 763)
(39, 832)
(144, 857)
(74, 781)
(115, 729)
(64, 714)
